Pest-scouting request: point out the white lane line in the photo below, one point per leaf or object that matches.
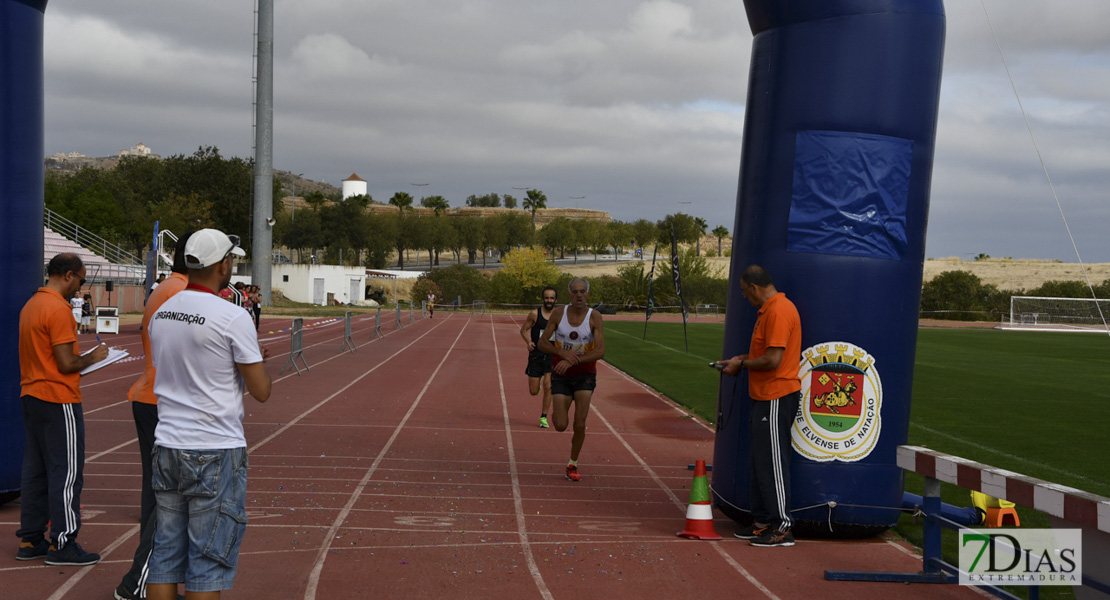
(518, 503)
(301, 416)
(321, 556)
(717, 547)
(81, 572)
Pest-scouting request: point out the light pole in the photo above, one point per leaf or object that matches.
(576, 199)
(418, 215)
(293, 202)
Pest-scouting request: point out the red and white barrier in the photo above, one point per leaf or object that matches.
(1079, 507)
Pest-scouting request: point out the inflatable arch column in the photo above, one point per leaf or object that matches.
(833, 199)
(21, 204)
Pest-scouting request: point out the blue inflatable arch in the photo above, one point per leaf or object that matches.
(21, 204)
(833, 201)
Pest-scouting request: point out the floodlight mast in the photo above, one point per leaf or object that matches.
(262, 240)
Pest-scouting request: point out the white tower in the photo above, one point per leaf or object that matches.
(353, 186)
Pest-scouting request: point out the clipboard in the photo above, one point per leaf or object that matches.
(114, 355)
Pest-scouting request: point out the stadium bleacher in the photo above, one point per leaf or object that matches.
(97, 268)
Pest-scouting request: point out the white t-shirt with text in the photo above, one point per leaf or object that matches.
(196, 340)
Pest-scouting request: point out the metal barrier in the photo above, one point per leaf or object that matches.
(296, 346)
(708, 309)
(348, 341)
(1067, 508)
(378, 324)
(398, 324)
(411, 318)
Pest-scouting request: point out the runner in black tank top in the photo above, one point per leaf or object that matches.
(539, 363)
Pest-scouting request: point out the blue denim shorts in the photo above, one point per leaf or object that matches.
(201, 517)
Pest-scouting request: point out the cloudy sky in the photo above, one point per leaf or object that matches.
(637, 105)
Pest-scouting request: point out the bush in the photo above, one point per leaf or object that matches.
(531, 270)
(459, 280)
(1062, 289)
(422, 288)
(504, 289)
(607, 289)
(962, 296)
(634, 283)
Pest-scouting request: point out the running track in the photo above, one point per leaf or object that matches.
(414, 468)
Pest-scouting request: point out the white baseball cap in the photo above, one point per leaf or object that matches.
(209, 246)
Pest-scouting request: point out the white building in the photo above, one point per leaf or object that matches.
(320, 284)
(140, 150)
(353, 186)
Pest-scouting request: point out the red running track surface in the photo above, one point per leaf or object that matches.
(415, 468)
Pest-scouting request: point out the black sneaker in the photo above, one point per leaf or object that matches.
(71, 555)
(752, 531)
(774, 538)
(32, 551)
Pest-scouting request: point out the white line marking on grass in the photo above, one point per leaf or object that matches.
(675, 350)
(321, 556)
(518, 503)
(674, 499)
(661, 397)
(1002, 453)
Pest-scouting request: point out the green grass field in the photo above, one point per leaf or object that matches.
(1034, 403)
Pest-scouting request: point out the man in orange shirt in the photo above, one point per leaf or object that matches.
(54, 455)
(144, 408)
(775, 389)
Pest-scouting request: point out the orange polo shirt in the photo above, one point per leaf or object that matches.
(777, 326)
(143, 388)
(47, 321)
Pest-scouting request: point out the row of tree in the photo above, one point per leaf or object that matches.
(181, 192)
(962, 296)
(526, 271)
(350, 234)
(208, 190)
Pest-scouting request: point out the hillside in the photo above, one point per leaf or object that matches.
(1006, 274)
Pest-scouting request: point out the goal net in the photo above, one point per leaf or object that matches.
(1058, 314)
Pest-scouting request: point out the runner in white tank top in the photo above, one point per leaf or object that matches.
(575, 338)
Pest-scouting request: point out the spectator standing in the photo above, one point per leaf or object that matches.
(54, 453)
(204, 352)
(144, 410)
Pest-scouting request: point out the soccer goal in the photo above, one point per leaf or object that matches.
(1038, 313)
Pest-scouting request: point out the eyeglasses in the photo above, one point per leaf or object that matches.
(234, 239)
(82, 282)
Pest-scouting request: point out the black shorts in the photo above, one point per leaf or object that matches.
(539, 364)
(566, 386)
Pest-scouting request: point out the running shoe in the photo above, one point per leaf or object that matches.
(774, 538)
(71, 555)
(572, 473)
(543, 422)
(30, 551)
(752, 531)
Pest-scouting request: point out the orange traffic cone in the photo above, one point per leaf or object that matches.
(699, 515)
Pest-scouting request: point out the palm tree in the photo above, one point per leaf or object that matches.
(721, 232)
(401, 200)
(535, 200)
(436, 203)
(702, 225)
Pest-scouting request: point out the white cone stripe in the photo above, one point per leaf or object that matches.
(700, 512)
